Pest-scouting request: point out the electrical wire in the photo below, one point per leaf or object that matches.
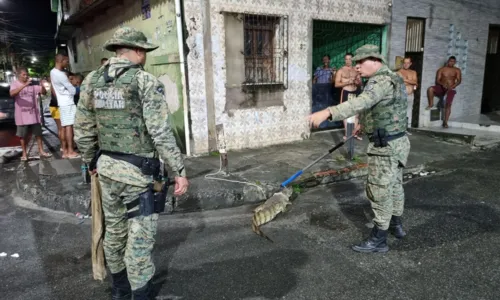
(210, 176)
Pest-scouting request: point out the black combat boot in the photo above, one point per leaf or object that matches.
(396, 227)
(121, 289)
(376, 242)
(144, 293)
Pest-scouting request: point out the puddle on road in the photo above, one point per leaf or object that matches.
(328, 220)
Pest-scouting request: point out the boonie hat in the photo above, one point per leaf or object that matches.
(368, 51)
(129, 37)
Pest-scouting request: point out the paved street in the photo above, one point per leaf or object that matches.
(451, 251)
(8, 135)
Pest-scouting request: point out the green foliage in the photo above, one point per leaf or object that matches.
(357, 159)
(297, 188)
(32, 72)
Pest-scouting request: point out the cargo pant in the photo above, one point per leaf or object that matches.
(128, 243)
(384, 187)
(409, 111)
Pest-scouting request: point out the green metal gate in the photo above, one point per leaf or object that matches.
(336, 39)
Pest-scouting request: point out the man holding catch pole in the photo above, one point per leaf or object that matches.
(384, 105)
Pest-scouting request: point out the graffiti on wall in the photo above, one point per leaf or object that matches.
(146, 10)
(458, 47)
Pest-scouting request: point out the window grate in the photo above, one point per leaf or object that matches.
(265, 49)
(415, 35)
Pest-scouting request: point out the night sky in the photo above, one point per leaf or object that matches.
(30, 25)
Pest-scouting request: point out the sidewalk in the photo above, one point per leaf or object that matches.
(254, 175)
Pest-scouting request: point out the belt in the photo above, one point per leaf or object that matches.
(130, 158)
(389, 137)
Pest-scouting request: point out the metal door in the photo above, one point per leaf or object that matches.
(336, 39)
(415, 36)
(490, 101)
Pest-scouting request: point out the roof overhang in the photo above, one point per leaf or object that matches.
(64, 32)
(95, 9)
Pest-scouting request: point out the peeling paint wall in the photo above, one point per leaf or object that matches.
(261, 126)
(163, 62)
(470, 20)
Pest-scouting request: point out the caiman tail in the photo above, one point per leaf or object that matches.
(256, 228)
(269, 210)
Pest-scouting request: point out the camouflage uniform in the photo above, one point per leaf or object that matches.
(128, 117)
(383, 104)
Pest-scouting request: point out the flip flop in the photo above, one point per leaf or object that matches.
(46, 155)
(358, 138)
(71, 157)
(24, 158)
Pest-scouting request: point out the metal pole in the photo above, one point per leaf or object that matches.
(41, 110)
(224, 161)
(350, 142)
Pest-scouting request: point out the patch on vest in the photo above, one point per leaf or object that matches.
(109, 99)
(160, 90)
(369, 86)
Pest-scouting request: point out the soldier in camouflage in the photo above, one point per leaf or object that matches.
(383, 105)
(123, 119)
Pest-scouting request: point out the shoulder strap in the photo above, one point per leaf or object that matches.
(128, 75)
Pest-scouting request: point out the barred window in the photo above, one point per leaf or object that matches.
(415, 30)
(265, 49)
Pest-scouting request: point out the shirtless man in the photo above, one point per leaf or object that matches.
(410, 79)
(349, 80)
(448, 78)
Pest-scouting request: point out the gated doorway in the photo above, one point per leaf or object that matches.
(336, 39)
(490, 101)
(414, 48)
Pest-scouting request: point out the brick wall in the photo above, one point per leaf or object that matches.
(472, 19)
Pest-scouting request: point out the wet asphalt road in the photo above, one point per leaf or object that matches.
(8, 136)
(451, 252)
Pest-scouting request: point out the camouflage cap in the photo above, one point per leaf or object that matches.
(129, 37)
(368, 51)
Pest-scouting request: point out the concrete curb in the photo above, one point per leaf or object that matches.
(344, 174)
(68, 193)
(456, 138)
(52, 192)
(45, 191)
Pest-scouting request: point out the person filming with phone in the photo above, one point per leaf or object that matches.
(25, 92)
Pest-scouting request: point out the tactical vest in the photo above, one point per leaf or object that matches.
(390, 113)
(118, 109)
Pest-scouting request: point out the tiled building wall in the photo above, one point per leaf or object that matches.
(472, 19)
(258, 127)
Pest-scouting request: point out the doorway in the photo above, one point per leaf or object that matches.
(490, 101)
(414, 48)
(335, 39)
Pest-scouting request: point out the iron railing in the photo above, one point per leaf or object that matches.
(265, 49)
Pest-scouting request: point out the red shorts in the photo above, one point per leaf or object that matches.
(440, 91)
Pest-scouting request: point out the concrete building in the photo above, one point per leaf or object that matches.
(85, 25)
(250, 63)
(430, 32)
